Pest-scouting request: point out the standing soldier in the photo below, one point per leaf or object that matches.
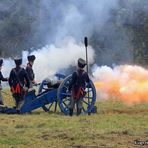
(77, 85)
(1, 79)
(29, 69)
(19, 82)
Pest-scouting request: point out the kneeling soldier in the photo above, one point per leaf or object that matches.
(77, 85)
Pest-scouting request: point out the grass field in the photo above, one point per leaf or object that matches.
(114, 126)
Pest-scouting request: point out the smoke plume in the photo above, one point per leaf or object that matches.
(51, 59)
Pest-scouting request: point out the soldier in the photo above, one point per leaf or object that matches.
(29, 70)
(1, 79)
(77, 85)
(19, 83)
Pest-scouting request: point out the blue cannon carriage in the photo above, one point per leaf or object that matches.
(50, 97)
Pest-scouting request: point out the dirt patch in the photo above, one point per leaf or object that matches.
(45, 136)
(124, 132)
(21, 126)
(41, 125)
(61, 136)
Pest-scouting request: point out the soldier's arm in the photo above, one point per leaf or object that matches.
(87, 77)
(27, 79)
(11, 79)
(73, 80)
(28, 70)
(2, 78)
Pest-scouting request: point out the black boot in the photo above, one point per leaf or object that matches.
(18, 111)
(70, 112)
(78, 112)
(1, 103)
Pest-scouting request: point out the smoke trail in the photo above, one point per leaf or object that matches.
(126, 82)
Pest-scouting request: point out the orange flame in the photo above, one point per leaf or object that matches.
(126, 82)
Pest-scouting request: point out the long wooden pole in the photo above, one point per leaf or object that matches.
(86, 44)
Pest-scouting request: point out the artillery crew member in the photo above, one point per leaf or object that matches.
(77, 85)
(19, 82)
(1, 79)
(29, 69)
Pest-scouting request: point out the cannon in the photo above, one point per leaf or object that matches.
(49, 98)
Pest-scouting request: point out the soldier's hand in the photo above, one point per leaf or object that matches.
(34, 82)
(25, 89)
(11, 90)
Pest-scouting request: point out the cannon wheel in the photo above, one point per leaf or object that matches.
(43, 88)
(64, 96)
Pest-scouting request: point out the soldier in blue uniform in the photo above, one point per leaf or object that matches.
(19, 83)
(77, 86)
(1, 79)
(29, 69)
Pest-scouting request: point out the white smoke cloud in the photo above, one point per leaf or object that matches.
(51, 58)
(7, 66)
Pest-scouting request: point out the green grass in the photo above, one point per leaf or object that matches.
(115, 125)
